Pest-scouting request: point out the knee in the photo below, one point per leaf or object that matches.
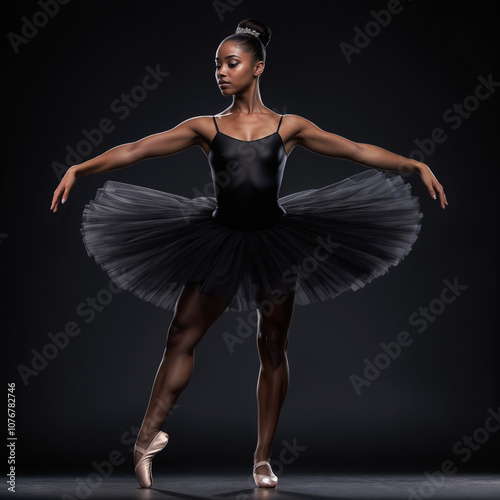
(180, 337)
(272, 341)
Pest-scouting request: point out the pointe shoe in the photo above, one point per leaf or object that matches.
(263, 481)
(143, 468)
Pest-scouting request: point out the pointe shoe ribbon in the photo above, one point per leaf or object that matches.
(263, 481)
(143, 468)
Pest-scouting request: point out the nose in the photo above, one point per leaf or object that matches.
(221, 72)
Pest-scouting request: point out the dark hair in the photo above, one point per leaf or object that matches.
(256, 45)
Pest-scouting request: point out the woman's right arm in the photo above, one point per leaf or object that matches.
(172, 141)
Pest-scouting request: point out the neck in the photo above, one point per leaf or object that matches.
(249, 101)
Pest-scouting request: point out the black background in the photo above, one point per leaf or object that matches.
(87, 401)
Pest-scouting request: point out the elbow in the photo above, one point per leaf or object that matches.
(357, 153)
(134, 152)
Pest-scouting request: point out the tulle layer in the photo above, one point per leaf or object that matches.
(333, 239)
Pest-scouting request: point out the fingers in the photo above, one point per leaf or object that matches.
(65, 195)
(442, 199)
(60, 194)
(444, 202)
(434, 187)
(437, 188)
(55, 201)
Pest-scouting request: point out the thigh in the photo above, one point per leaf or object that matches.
(276, 311)
(194, 312)
(193, 316)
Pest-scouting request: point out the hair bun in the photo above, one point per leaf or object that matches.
(263, 30)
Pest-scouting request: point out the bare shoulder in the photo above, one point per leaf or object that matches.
(296, 124)
(293, 120)
(294, 129)
(202, 125)
(202, 129)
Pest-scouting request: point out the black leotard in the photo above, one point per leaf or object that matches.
(247, 178)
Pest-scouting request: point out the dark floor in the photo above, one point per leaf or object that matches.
(238, 487)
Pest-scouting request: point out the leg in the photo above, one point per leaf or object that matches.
(194, 314)
(272, 341)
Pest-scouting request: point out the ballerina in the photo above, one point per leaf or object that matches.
(245, 248)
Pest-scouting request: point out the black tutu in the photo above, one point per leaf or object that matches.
(336, 238)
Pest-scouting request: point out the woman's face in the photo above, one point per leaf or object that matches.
(235, 69)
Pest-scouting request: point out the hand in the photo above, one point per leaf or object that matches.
(62, 191)
(432, 184)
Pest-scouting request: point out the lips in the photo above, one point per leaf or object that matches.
(223, 82)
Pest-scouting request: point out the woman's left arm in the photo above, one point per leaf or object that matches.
(310, 136)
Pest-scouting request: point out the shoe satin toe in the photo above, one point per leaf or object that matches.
(143, 468)
(262, 480)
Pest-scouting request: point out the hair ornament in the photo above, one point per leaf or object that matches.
(247, 31)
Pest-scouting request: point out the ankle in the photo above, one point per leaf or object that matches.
(261, 456)
(146, 435)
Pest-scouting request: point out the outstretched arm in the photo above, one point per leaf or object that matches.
(165, 143)
(310, 136)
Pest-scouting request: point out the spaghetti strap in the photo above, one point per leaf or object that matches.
(279, 124)
(215, 121)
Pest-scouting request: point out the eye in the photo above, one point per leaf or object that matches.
(230, 65)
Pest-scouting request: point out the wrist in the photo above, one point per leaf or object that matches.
(74, 170)
(415, 166)
(421, 167)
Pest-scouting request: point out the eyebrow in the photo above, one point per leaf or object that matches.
(229, 57)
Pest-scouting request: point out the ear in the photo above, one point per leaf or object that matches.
(258, 68)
